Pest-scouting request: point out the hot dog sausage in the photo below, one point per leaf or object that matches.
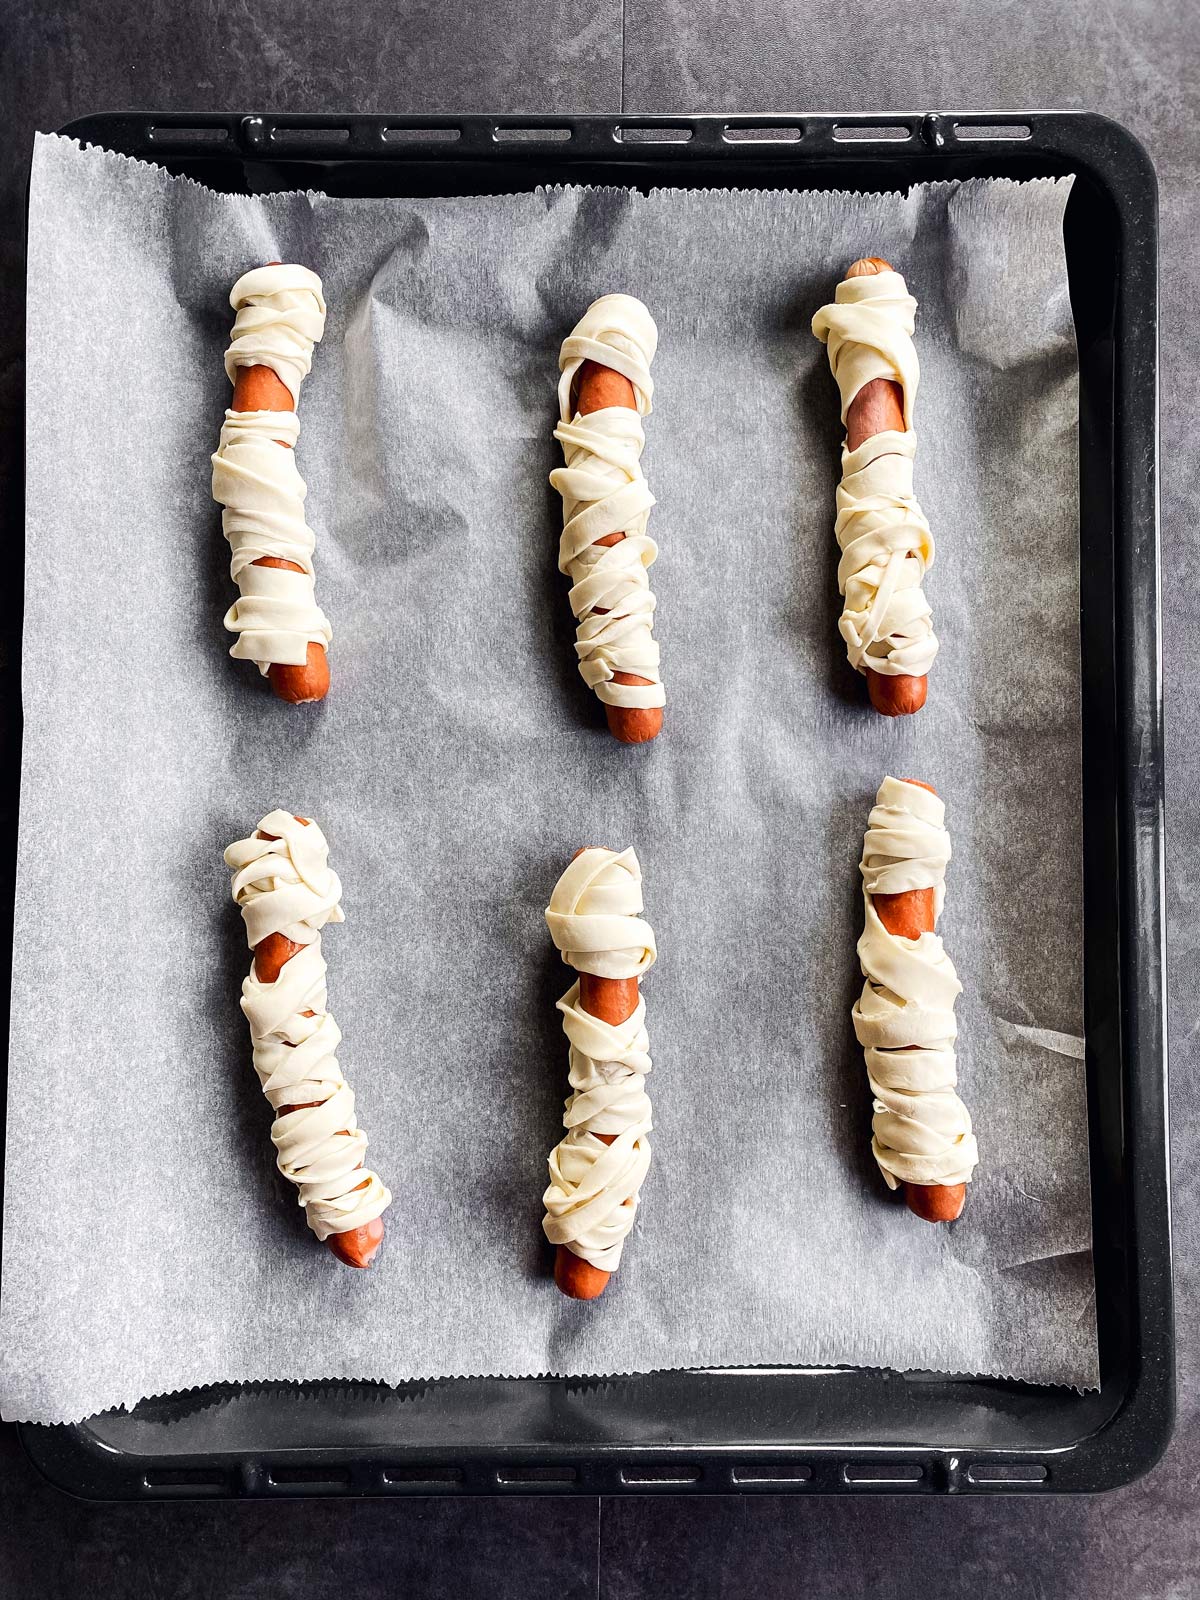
(908, 916)
(604, 391)
(280, 316)
(612, 1000)
(879, 408)
(259, 389)
(358, 1246)
(599, 388)
(876, 508)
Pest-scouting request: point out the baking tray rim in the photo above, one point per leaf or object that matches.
(1137, 1431)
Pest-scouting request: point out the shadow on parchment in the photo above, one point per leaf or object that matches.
(538, 379)
(249, 1113)
(850, 1102)
(817, 401)
(209, 550)
(542, 1075)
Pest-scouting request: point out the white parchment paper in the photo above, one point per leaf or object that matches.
(148, 1243)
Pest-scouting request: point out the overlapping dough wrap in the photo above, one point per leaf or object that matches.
(592, 1199)
(604, 492)
(885, 541)
(280, 316)
(286, 886)
(904, 1018)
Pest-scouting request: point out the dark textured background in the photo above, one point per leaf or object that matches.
(1136, 60)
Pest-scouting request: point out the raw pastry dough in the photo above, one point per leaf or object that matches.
(280, 316)
(922, 1130)
(592, 1199)
(885, 541)
(604, 492)
(285, 885)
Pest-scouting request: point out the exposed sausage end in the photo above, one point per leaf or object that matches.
(300, 685)
(358, 1247)
(935, 1202)
(578, 1279)
(633, 724)
(867, 267)
(896, 697)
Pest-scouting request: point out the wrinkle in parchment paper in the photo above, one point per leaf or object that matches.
(459, 761)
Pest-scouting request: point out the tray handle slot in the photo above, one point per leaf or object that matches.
(871, 132)
(661, 1477)
(309, 1480)
(882, 1474)
(644, 133)
(992, 130)
(985, 1473)
(430, 135)
(187, 1482)
(302, 137)
(528, 135)
(534, 1475)
(205, 136)
(420, 1477)
(768, 1476)
(762, 133)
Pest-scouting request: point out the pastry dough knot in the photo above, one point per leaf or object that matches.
(604, 492)
(883, 535)
(593, 915)
(284, 885)
(592, 1199)
(280, 316)
(904, 1018)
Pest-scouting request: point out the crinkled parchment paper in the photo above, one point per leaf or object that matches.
(148, 1243)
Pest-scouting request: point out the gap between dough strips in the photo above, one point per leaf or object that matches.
(287, 893)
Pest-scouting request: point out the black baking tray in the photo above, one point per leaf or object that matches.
(787, 1429)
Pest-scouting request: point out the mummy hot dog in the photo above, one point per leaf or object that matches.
(904, 1018)
(596, 1171)
(287, 893)
(881, 530)
(603, 393)
(279, 626)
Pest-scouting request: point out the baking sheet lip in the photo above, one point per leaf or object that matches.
(1125, 175)
(223, 1389)
(931, 132)
(655, 191)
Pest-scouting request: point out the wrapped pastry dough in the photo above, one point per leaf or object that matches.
(604, 492)
(280, 317)
(885, 541)
(592, 1199)
(904, 1018)
(285, 886)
